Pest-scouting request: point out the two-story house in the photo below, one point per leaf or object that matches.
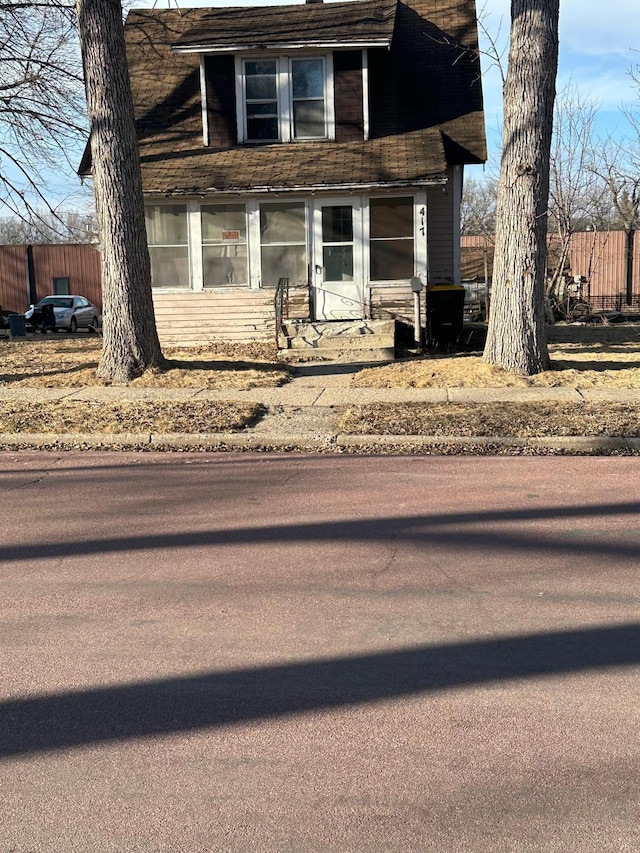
(321, 143)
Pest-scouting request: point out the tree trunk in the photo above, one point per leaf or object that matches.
(131, 342)
(516, 336)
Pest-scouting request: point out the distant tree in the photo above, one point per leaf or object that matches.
(576, 192)
(619, 167)
(47, 227)
(478, 208)
(516, 335)
(42, 119)
(131, 342)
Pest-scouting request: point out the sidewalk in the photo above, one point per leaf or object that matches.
(303, 415)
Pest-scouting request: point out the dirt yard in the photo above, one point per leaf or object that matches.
(56, 361)
(582, 356)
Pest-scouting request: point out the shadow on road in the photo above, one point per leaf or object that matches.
(465, 530)
(213, 699)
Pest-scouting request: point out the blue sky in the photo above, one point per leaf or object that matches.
(599, 43)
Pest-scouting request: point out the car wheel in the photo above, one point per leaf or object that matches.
(93, 325)
(73, 325)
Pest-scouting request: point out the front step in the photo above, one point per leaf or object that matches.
(344, 341)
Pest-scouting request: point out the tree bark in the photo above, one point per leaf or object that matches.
(516, 337)
(131, 342)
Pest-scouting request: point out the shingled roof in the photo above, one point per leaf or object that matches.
(365, 22)
(414, 159)
(425, 113)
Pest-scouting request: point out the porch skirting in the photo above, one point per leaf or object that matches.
(192, 318)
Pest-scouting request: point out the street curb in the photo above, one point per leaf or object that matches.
(313, 442)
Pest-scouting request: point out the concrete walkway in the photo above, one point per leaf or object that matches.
(303, 415)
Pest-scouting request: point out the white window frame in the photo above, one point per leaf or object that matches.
(199, 278)
(190, 254)
(420, 261)
(255, 237)
(284, 97)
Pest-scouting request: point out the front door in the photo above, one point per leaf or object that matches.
(338, 287)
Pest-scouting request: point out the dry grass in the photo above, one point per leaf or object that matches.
(582, 356)
(72, 362)
(509, 420)
(127, 416)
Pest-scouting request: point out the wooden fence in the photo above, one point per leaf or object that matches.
(599, 257)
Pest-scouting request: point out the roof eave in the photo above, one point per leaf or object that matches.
(352, 44)
(302, 188)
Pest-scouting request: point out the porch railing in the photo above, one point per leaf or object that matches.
(281, 304)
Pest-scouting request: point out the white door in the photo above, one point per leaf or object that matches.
(338, 286)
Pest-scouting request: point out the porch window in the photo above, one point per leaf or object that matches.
(391, 239)
(167, 235)
(283, 243)
(285, 99)
(224, 245)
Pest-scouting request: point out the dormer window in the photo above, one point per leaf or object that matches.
(261, 100)
(284, 99)
(307, 99)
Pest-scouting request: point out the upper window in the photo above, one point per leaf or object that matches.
(261, 99)
(285, 99)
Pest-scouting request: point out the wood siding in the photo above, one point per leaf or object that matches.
(198, 318)
(349, 110)
(221, 101)
(394, 302)
(440, 227)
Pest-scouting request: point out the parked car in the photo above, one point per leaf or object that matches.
(69, 312)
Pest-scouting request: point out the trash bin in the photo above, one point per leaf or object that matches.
(445, 314)
(17, 325)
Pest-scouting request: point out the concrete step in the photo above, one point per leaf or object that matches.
(338, 328)
(338, 355)
(345, 341)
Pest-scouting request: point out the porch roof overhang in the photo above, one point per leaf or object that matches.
(412, 159)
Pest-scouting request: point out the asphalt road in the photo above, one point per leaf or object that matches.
(315, 653)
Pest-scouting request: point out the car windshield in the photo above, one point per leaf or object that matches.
(57, 301)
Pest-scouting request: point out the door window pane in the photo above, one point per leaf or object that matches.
(283, 243)
(338, 263)
(391, 239)
(224, 244)
(337, 224)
